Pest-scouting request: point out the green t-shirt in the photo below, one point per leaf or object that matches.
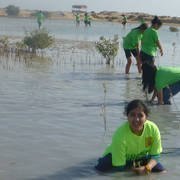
(128, 146)
(166, 76)
(40, 17)
(132, 39)
(149, 41)
(77, 18)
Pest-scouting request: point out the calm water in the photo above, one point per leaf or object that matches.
(58, 113)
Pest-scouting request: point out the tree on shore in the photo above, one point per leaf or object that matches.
(12, 10)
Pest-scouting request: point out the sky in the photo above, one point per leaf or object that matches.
(154, 7)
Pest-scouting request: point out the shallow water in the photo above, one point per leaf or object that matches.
(58, 113)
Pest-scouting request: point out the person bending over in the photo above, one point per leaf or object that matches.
(131, 45)
(163, 82)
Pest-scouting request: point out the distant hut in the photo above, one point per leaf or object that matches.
(79, 8)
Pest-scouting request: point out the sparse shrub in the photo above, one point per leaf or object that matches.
(4, 42)
(108, 48)
(12, 10)
(38, 39)
(173, 29)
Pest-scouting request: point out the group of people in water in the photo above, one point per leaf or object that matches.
(136, 144)
(142, 43)
(87, 19)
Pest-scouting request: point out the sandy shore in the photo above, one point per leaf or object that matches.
(97, 16)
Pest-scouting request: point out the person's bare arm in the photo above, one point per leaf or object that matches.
(153, 96)
(160, 47)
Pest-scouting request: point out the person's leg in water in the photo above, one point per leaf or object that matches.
(128, 65)
(170, 91)
(39, 24)
(138, 59)
(105, 165)
(129, 60)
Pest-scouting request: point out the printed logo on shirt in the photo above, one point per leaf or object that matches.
(148, 141)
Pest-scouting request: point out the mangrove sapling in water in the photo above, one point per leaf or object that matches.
(38, 39)
(108, 48)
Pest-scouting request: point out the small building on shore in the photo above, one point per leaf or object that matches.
(79, 8)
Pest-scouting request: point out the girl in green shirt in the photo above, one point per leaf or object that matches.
(163, 82)
(150, 42)
(131, 45)
(135, 145)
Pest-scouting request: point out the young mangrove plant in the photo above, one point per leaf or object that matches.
(108, 48)
(38, 39)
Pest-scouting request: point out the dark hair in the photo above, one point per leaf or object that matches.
(148, 77)
(142, 27)
(156, 20)
(136, 104)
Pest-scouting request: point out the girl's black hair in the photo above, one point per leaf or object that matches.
(156, 20)
(142, 27)
(136, 104)
(148, 77)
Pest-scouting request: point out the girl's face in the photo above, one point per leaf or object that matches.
(137, 118)
(157, 26)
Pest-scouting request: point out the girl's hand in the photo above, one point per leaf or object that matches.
(161, 52)
(140, 170)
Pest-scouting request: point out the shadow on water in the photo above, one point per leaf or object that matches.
(81, 170)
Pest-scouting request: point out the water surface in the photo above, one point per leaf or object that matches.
(58, 113)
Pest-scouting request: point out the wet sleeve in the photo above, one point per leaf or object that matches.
(118, 150)
(156, 148)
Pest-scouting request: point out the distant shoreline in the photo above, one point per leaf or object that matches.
(110, 16)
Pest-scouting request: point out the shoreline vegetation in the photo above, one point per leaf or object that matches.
(111, 16)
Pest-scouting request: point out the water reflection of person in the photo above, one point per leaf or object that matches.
(40, 18)
(150, 42)
(131, 45)
(135, 144)
(164, 82)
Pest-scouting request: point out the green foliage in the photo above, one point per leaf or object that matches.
(108, 48)
(12, 10)
(4, 42)
(38, 39)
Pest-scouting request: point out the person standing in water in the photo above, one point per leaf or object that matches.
(87, 19)
(77, 19)
(150, 42)
(136, 144)
(124, 20)
(40, 18)
(131, 45)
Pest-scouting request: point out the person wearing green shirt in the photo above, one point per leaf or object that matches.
(150, 42)
(131, 45)
(40, 18)
(124, 20)
(77, 19)
(87, 19)
(136, 144)
(163, 82)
